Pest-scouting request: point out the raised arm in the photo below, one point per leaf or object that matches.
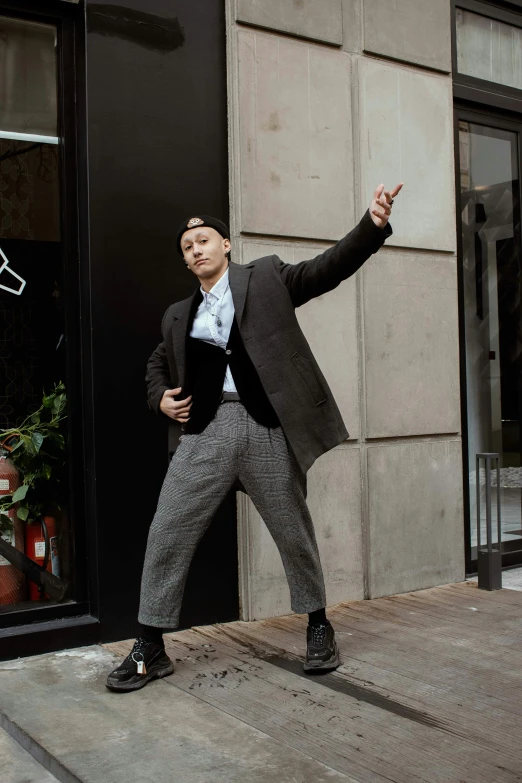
(323, 273)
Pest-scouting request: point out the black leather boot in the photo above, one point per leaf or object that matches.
(322, 653)
(146, 661)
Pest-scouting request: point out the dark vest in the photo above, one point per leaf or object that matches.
(206, 368)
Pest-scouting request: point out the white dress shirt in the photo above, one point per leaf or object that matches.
(217, 305)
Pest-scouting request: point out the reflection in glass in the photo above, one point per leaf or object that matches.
(29, 191)
(490, 197)
(488, 49)
(27, 77)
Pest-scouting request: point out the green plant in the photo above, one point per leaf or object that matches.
(38, 451)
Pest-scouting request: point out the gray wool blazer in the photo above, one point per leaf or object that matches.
(265, 294)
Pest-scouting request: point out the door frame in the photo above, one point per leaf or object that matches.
(68, 19)
(479, 116)
(499, 106)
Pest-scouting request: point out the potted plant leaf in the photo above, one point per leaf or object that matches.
(37, 448)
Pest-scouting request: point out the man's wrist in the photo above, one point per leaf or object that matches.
(378, 231)
(157, 399)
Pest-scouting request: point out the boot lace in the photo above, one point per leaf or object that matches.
(318, 635)
(140, 645)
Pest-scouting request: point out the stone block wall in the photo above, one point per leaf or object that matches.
(328, 98)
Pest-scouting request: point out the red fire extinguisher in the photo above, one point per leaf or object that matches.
(41, 545)
(12, 581)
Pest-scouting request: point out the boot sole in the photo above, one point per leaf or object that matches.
(155, 674)
(323, 666)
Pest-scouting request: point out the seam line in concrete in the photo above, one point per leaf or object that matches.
(412, 66)
(289, 238)
(40, 754)
(450, 437)
(306, 39)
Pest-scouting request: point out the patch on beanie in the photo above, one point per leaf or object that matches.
(195, 221)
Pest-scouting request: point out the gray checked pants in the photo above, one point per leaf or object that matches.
(201, 473)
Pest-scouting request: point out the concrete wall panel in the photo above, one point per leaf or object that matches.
(295, 143)
(418, 32)
(411, 344)
(329, 324)
(320, 20)
(416, 527)
(352, 25)
(406, 134)
(334, 499)
(299, 113)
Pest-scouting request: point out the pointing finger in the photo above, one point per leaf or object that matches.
(397, 189)
(378, 191)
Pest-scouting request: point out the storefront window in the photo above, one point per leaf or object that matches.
(489, 49)
(32, 331)
(492, 287)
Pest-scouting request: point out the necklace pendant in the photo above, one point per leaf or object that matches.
(218, 322)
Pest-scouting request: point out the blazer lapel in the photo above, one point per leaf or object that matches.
(184, 313)
(183, 317)
(238, 277)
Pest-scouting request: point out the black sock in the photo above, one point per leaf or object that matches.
(152, 634)
(317, 617)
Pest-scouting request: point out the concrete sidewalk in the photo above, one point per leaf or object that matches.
(429, 692)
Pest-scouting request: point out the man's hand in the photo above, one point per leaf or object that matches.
(178, 410)
(381, 206)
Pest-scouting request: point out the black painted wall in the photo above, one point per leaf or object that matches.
(157, 152)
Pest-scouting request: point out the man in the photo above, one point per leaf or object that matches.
(236, 375)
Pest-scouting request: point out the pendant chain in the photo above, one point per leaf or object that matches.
(214, 315)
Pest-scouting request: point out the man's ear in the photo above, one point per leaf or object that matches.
(226, 245)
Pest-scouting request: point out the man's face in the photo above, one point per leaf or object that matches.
(204, 251)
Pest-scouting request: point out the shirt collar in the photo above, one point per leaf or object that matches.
(219, 288)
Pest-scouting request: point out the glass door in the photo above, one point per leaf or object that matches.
(491, 281)
(33, 340)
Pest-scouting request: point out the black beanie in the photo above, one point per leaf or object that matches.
(202, 220)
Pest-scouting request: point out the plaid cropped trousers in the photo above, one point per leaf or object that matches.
(201, 473)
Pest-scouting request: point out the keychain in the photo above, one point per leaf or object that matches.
(142, 669)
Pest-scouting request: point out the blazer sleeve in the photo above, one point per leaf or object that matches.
(157, 377)
(323, 273)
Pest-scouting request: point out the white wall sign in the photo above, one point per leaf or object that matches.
(5, 271)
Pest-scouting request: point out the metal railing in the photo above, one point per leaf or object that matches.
(489, 560)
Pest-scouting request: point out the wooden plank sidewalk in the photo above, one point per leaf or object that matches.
(430, 687)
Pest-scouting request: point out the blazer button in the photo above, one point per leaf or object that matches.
(228, 352)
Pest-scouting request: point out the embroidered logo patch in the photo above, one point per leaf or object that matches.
(194, 222)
